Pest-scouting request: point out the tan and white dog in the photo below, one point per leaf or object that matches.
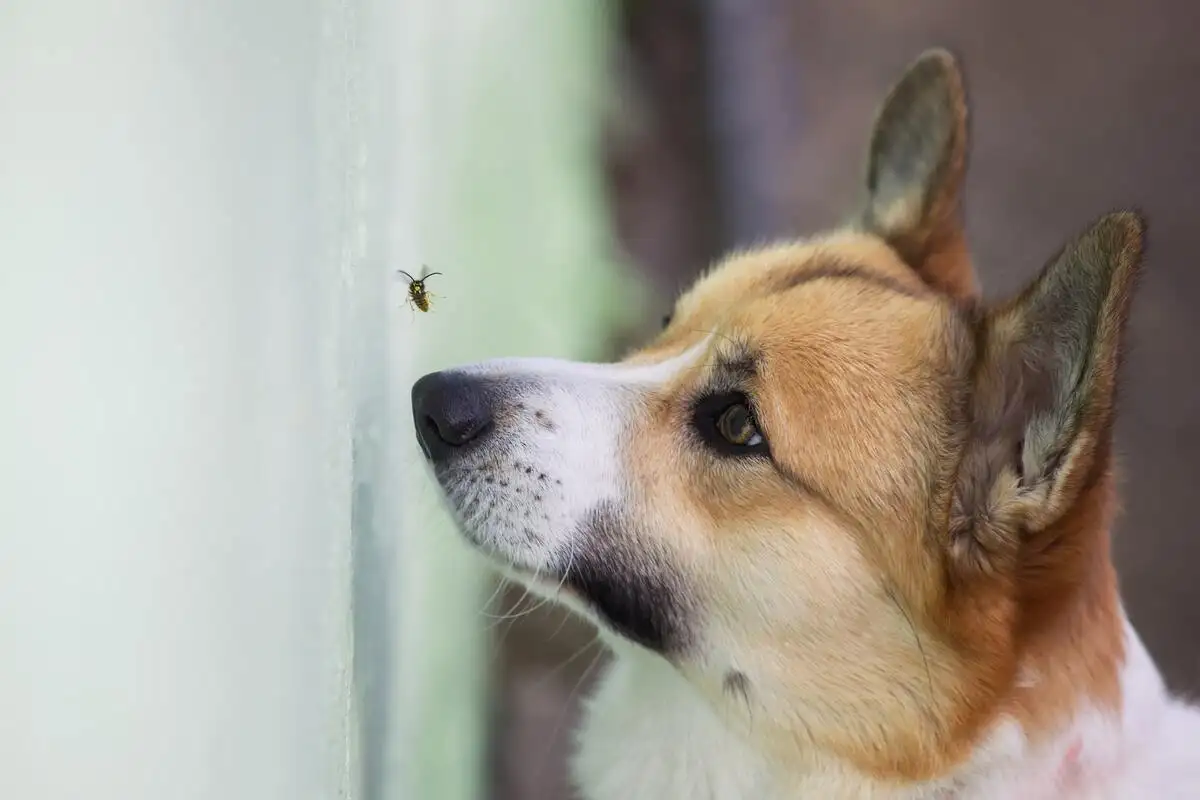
(845, 528)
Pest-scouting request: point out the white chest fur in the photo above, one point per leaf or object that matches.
(648, 734)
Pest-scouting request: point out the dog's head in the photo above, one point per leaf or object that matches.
(837, 492)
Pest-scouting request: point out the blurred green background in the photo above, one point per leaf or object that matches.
(513, 214)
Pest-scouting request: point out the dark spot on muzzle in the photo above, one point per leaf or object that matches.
(630, 583)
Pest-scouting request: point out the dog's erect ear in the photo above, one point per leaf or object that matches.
(1044, 393)
(915, 170)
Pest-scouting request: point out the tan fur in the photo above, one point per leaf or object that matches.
(864, 457)
(889, 578)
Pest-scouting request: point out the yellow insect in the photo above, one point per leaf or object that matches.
(418, 296)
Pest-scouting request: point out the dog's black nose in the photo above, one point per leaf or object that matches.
(451, 411)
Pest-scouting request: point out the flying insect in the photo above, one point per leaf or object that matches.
(418, 296)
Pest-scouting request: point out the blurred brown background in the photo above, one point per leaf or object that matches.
(738, 120)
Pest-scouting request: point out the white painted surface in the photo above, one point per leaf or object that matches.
(175, 466)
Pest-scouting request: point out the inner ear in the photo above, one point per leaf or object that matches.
(915, 168)
(1045, 389)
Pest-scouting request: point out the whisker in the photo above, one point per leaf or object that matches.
(492, 598)
(558, 590)
(570, 659)
(894, 597)
(716, 333)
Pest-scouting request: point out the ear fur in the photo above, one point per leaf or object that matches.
(915, 168)
(1044, 394)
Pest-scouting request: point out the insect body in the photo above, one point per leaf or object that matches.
(418, 296)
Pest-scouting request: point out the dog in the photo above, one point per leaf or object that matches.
(844, 526)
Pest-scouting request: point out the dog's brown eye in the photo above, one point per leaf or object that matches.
(725, 423)
(736, 425)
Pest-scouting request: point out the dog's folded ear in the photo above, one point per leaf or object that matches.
(915, 168)
(1044, 394)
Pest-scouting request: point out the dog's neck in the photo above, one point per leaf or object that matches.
(649, 733)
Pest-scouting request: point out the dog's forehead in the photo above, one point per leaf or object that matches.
(762, 273)
(846, 295)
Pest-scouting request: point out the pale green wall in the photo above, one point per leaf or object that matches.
(503, 193)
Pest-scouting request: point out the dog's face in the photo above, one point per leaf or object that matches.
(815, 491)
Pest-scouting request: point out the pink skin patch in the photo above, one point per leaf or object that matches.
(1069, 772)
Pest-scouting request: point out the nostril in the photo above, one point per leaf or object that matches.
(430, 425)
(456, 432)
(481, 428)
